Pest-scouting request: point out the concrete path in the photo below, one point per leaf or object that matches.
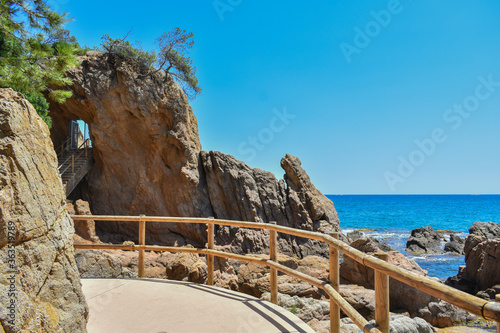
(164, 306)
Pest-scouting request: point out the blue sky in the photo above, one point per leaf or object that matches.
(374, 97)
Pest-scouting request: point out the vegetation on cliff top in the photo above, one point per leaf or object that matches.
(170, 58)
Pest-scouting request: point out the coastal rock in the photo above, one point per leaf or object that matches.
(398, 324)
(98, 264)
(482, 263)
(84, 229)
(361, 299)
(323, 326)
(305, 308)
(489, 230)
(315, 266)
(455, 245)
(402, 296)
(353, 272)
(403, 324)
(490, 293)
(185, 267)
(43, 274)
(354, 235)
(254, 279)
(482, 260)
(148, 160)
(424, 240)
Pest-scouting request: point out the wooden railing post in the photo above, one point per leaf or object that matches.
(142, 242)
(210, 258)
(497, 298)
(273, 255)
(72, 163)
(334, 281)
(382, 297)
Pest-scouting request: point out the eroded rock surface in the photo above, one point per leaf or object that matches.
(455, 245)
(84, 229)
(149, 160)
(482, 260)
(489, 230)
(48, 294)
(424, 240)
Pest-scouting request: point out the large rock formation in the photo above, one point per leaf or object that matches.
(482, 260)
(40, 288)
(148, 160)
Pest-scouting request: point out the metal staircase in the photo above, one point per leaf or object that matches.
(74, 163)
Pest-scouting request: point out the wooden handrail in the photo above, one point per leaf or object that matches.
(475, 305)
(62, 147)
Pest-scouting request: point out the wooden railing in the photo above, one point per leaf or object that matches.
(63, 147)
(383, 269)
(84, 150)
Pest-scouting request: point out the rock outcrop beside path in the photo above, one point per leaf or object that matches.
(35, 229)
(148, 160)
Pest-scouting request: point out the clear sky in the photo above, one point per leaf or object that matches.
(374, 97)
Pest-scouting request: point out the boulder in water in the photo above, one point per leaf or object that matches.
(424, 240)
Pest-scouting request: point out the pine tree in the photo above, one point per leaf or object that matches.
(171, 58)
(35, 51)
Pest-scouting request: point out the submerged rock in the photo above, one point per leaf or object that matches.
(42, 281)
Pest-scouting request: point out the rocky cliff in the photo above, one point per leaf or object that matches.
(40, 288)
(149, 160)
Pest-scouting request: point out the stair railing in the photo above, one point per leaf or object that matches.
(63, 147)
(85, 145)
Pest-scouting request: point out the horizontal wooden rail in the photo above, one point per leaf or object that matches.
(472, 304)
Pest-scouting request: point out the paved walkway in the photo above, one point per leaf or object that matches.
(164, 306)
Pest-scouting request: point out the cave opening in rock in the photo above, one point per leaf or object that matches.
(73, 147)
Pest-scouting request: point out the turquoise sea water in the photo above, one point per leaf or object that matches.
(390, 218)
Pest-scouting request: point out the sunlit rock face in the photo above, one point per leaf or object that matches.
(37, 265)
(148, 160)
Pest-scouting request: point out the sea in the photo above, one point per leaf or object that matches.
(390, 219)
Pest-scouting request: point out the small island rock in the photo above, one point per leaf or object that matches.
(424, 240)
